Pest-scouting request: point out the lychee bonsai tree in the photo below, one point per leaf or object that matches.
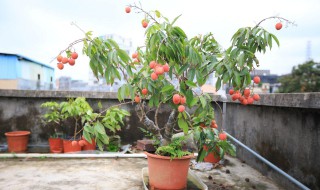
(171, 68)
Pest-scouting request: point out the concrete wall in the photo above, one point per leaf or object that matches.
(283, 128)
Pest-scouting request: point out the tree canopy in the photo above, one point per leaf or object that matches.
(303, 78)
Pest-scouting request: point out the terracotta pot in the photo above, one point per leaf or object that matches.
(17, 141)
(67, 147)
(165, 173)
(212, 157)
(89, 146)
(56, 145)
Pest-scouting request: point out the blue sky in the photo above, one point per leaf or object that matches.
(40, 29)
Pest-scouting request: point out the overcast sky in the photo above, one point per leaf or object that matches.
(40, 29)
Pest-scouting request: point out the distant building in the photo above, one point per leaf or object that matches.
(66, 83)
(268, 82)
(20, 72)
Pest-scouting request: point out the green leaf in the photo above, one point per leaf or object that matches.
(174, 20)
(275, 39)
(183, 125)
(87, 136)
(203, 101)
(99, 128)
(88, 129)
(157, 13)
(218, 84)
(167, 88)
(191, 84)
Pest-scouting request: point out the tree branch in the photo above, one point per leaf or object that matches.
(148, 123)
(169, 128)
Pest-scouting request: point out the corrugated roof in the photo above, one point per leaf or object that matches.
(27, 59)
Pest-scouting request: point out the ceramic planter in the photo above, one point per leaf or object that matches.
(89, 146)
(56, 145)
(67, 147)
(165, 173)
(17, 141)
(212, 157)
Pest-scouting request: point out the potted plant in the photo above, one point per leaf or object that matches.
(53, 117)
(89, 128)
(213, 145)
(167, 73)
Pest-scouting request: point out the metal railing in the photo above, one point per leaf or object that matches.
(293, 180)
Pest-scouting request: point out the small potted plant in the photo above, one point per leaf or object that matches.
(89, 128)
(213, 144)
(167, 73)
(53, 117)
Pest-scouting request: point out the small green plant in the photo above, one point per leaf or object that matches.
(148, 134)
(174, 149)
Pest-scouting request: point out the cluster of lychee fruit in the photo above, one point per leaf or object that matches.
(178, 99)
(81, 142)
(158, 69)
(213, 124)
(137, 98)
(144, 22)
(245, 98)
(64, 60)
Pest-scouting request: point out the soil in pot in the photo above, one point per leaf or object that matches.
(165, 173)
(17, 141)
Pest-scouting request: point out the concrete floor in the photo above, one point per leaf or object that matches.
(112, 174)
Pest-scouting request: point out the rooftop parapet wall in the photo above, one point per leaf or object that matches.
(297, 100)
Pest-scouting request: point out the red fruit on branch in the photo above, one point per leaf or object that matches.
(181, 108)
(59, 58)
(166, 67)
(74, 55)
(231, 91)
(256, 79)
(256, 97)
(152, 64)
(278, 25)
(154, 76)
(183, 99)
(74, 143)
(81, 142)
(64, 60)
(128, 9)
(250, 100)
(137, 99)
(235, 96)
(144, 24)
(144, 91)
(176, 99)
(223, 136)
(135, 55)
(246, 92)
(60, 66)
(159, 70)
(72, 62)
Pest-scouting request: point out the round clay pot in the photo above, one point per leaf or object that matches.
(67, 147)
(89, 146)
(212, 157)
(165, 173)
(17, 141)
(56, 145)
